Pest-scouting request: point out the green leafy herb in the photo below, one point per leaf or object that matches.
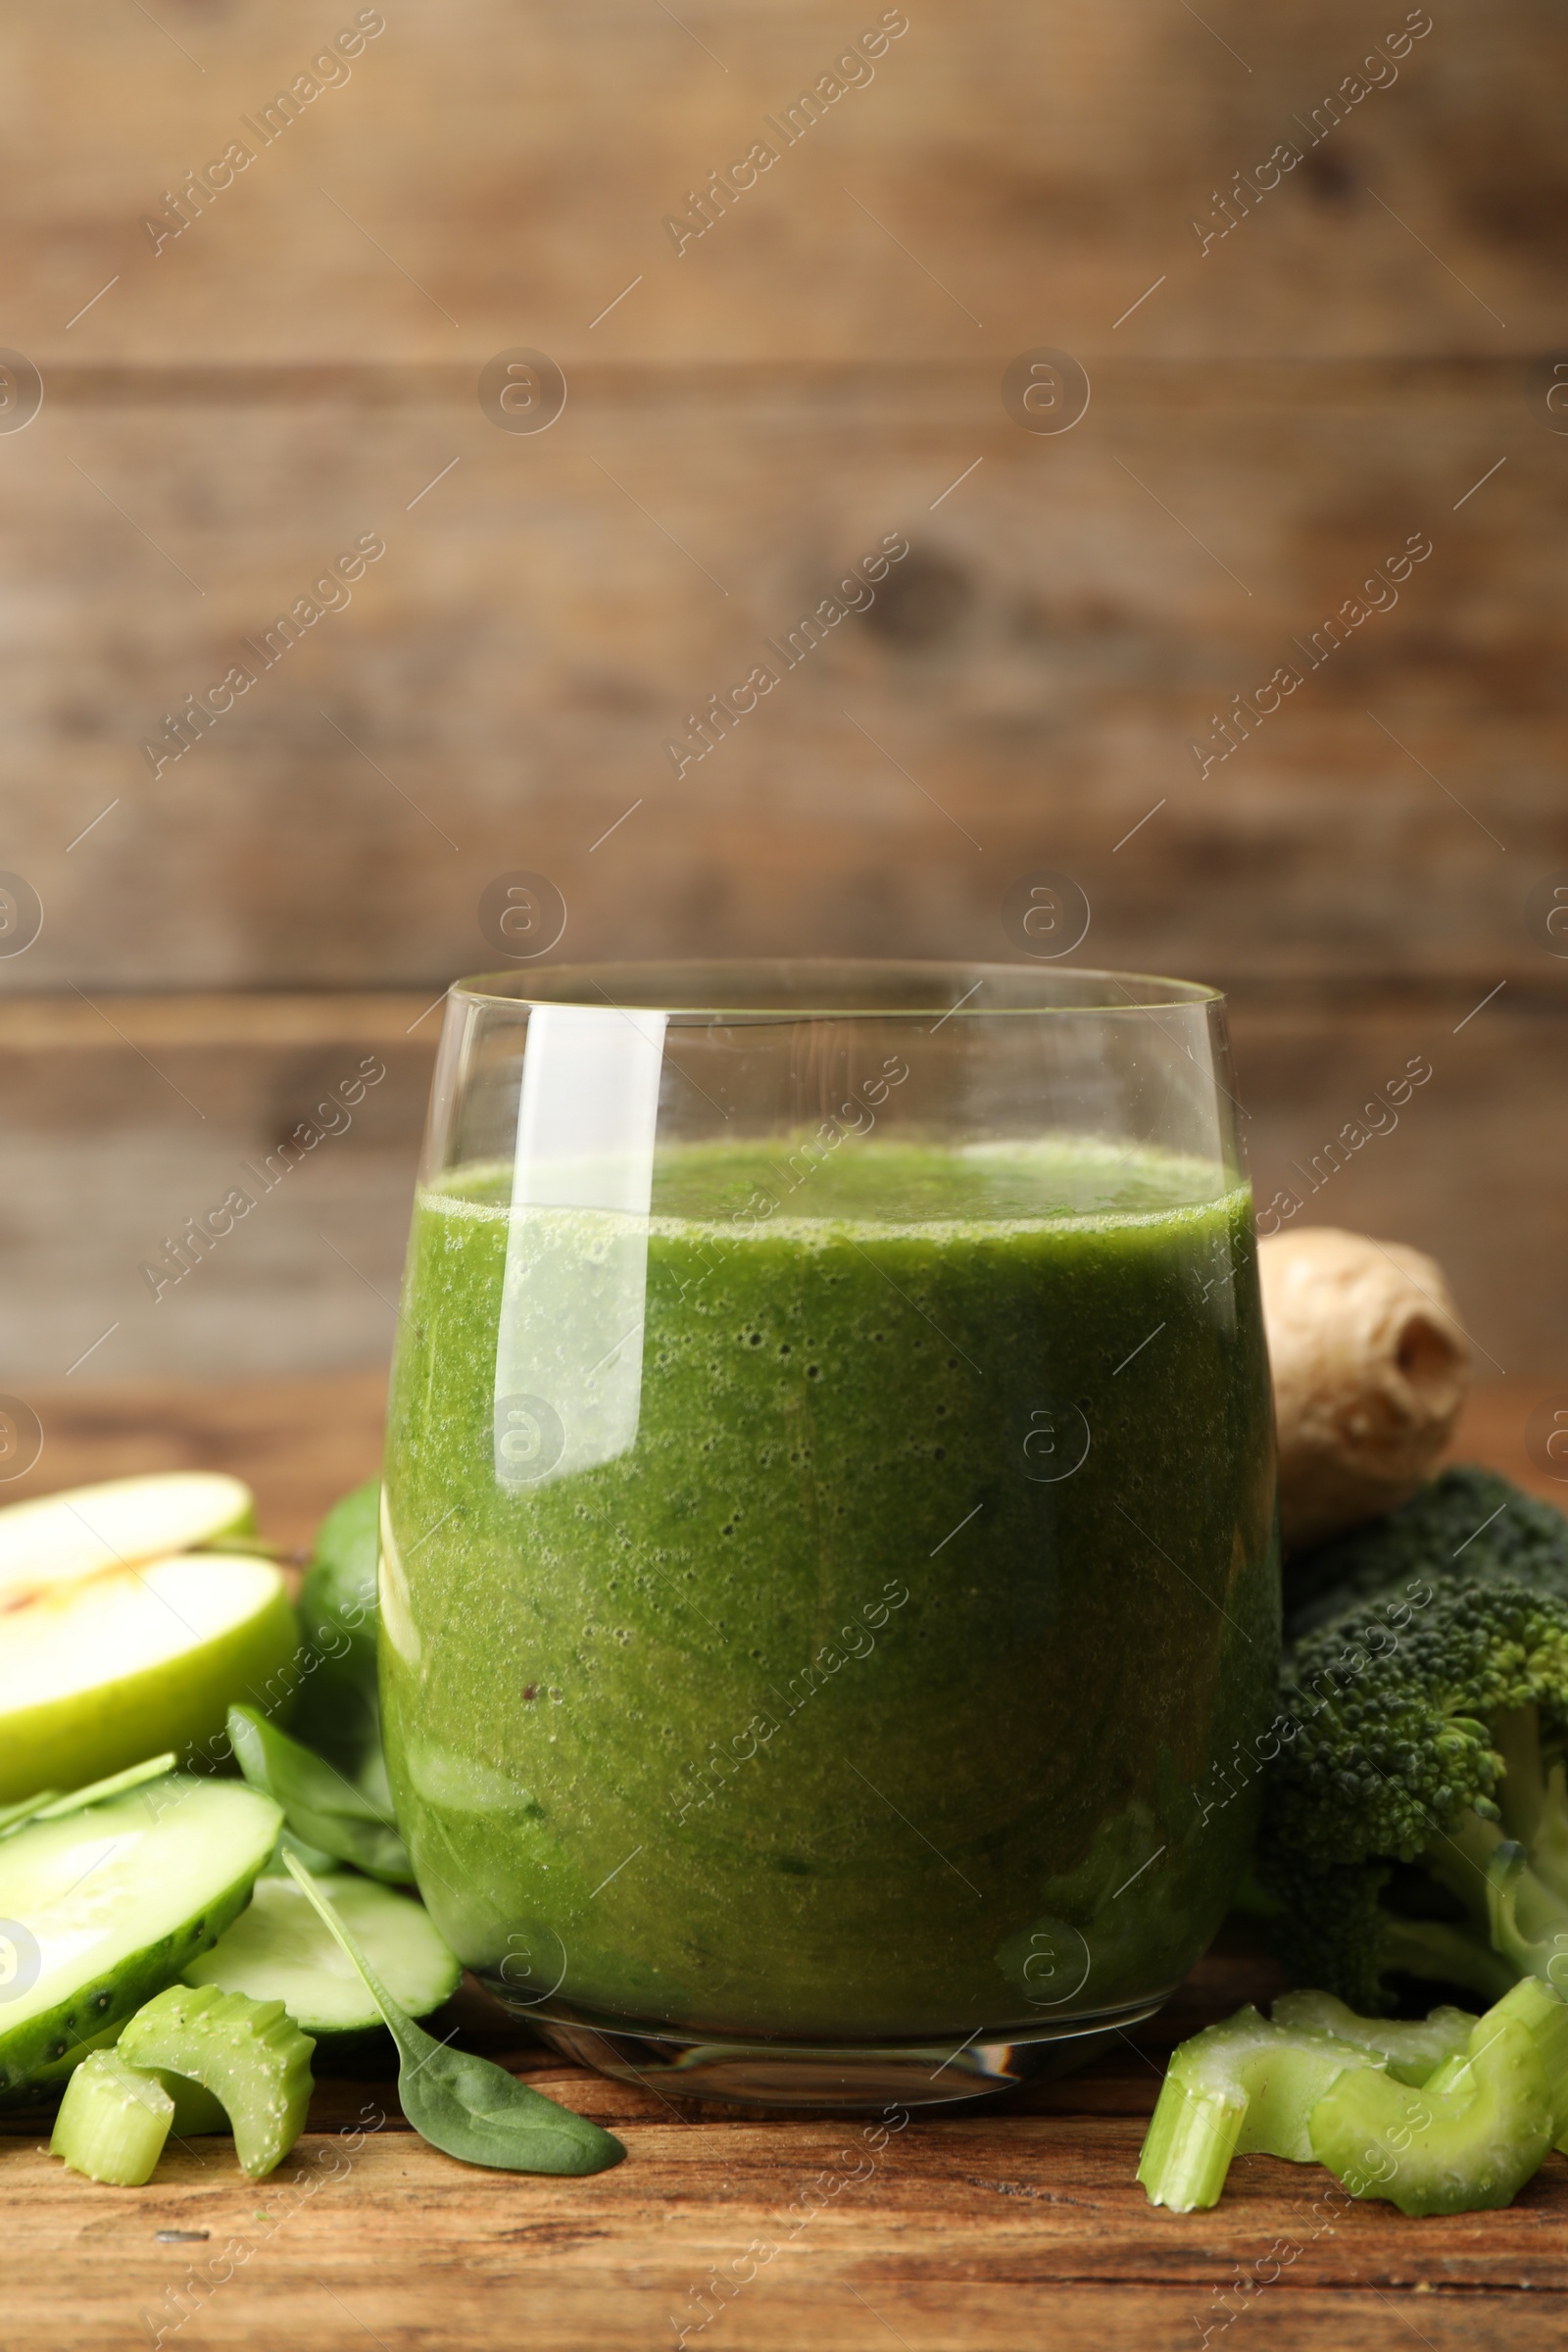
(12, 1817)
(339, 1711)
(466, 2106)
(321, 1806)
(50, 1805)
(314, 1857)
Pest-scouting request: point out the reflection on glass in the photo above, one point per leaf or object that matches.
(569, 1338)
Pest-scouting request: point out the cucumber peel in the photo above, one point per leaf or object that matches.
(280, 1949)
(465, 2106)
(105, 1905)
(112, 2120)
(249, 2054)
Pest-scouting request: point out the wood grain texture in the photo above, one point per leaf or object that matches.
(302, 362)
(821, 367)
(1026, 689)
(126, 1115)
(522, 167)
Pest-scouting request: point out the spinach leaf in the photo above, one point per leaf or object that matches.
(50, 1805)
(322, 1807)
(13, 1817)
(314, 1857)
(338, 1710)
(466, 2106)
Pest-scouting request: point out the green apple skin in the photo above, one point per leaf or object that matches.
(180, 1703)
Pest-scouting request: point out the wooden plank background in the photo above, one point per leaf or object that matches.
(1367, 355)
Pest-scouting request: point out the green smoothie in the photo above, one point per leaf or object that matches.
(877, 1686)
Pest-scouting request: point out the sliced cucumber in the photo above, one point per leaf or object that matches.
(112, 2120)
(98, 1672)
(249, 2054)
(88, 1530)
(279, 1950)
(101, 1908)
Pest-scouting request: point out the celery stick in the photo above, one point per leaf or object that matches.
(249, 2054)
(1467, 2139)
(1241, 2087)
(1412, 2047)
(112, 2120)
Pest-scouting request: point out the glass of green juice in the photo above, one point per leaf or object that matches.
(829, 1578)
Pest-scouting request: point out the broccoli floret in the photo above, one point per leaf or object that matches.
(1417, 1820)
(1469, 1523)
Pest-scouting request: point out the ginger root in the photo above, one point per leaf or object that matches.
(1370, 1369)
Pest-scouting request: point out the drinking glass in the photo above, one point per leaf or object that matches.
(829, 1585)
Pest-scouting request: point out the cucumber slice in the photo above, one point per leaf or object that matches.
(88, 1530)
(280, 1950)
(112, 2120)
(249, 2054)
(99, 1672)
(100, 1909)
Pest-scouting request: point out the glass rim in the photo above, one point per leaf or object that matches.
(777, 988)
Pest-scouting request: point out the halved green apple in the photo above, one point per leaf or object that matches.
(97, 1672)
(117, 1524)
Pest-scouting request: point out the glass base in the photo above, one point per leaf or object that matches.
(833, 2078)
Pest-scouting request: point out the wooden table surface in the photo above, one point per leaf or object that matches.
(1006, 2230)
